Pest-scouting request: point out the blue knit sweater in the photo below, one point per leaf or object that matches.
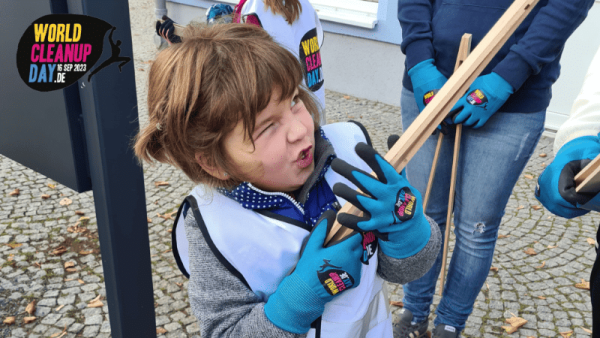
(529, 60)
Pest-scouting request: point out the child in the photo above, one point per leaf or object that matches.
(295, 25)
(228, 108)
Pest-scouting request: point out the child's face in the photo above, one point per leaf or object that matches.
(284, 140)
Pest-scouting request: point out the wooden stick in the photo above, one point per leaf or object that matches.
(432, 172)
(588, 179)
(463, 53)
(435, 112)
(177, 28)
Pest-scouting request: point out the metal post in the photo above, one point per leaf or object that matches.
(110, 115)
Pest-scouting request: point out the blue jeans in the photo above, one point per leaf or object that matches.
(491, 160)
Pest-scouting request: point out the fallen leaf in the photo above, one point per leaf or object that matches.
(37, 264)
(149, 220)
(79, 212)
(488, 286)
(71, 270)
(81, 281)
(160, 330)
(11, 257)
(30, 307)
(82, 252)
(503, 236)
(160, 183)
(58, 308)
(179, 284)
(9, 320)
(543, 155)
(96, 302)
(552, 246)
(69, 265)
(14, 245)
(168, 250)
(541, 266)
(15, 192)
(45, 196)
(566, 334)
(591, 241)
(59, 251)
(536, 207)
(346, 97)
(530, 251)
(142, 69)
(528, 176)
(28, 320)
(51, 186)
(515, 323)
(65, 201)
(542, 297)
(583, 285)
(169, 230)
(520, 207)
(586, 330)
(493, 268)
(69, 279)
(397, 303)
(543, 164)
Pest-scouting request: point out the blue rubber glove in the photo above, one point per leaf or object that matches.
(320, 275)
(427, 81)
(556, 185)
(167, 30)
(485, 96)
(392, 209)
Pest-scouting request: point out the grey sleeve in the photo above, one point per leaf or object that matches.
(224, 306)
(405, 270)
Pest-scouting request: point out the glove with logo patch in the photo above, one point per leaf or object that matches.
(556, 185)
(485, 96)
(427, 81)
(166, 29)
(392, 208)
(320, 275)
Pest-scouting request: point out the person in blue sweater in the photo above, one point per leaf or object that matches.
(503, 113)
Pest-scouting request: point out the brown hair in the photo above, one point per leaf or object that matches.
(201, 88)
(290, 10)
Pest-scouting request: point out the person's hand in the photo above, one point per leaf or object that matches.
(426, 81)
(166, 29)
(392, 208)
(556, 185)
(320, 275)
(485, 96)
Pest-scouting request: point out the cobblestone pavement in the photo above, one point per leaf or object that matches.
(34, 225)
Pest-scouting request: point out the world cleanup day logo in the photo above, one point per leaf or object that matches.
(56, 50)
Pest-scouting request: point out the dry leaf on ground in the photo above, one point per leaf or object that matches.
(81, 281)
(65, 201)
(149, 220)
(59, 251)
(169, 230)
(503, 236)
(58, 308)
(160, 183)
(45, 196)
(179, 284)
(51, 186)
(552, 246)
(515, 323)
(14, 245)
(543, 155)
(79, 212)
(15, 192)
(397, 303)
(69, 265)
(28, 320)
(591, 241)
(83, 252)
(520, 207)
(71, 270)
(541, 266)
(160, 330)
(30, 307)
(530, 251)
(9, 320)
(37, 264)
(11, 257)
(346, 97)
(168, 250)
(536, 207)
(583, 285)
(493, 268)
(96, 302)
(586, 330)
(528, 176)
(542, 297)
(566, 334)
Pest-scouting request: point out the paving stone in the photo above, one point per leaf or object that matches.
(91, 330)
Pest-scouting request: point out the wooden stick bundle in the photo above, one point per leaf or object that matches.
(435, 112)
(588, 179)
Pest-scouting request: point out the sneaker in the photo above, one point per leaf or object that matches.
(406, 328)
(445, 331)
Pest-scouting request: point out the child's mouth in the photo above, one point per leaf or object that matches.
(305, 158)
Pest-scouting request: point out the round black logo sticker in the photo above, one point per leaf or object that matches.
(310, 57)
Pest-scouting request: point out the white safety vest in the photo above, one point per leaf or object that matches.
(262, 248)
(304, 38)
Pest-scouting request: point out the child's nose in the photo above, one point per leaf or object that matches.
(297, 130)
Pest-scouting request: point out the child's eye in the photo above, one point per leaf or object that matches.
(295, 100)
(265, 129)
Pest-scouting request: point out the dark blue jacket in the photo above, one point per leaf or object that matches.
(529, 60)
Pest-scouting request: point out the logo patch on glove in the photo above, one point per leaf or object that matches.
(477, 98)
(369, 243)
(333, 279)
(429, 96)
(405, 204)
